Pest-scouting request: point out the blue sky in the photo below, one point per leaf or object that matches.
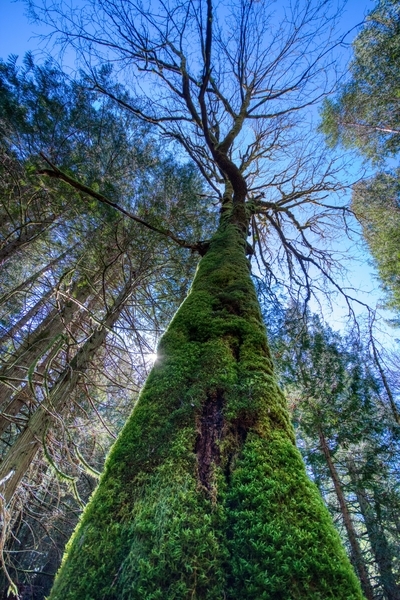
(15, 29)
(18, 35)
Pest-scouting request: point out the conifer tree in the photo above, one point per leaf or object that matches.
(365, 115)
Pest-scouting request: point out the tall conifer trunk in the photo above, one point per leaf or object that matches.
(28, 234)
(37, 343)
(376, 535)
(356, 552)
(204, 494)
(21, 454)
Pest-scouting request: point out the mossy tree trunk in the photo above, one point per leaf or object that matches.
(204, 494)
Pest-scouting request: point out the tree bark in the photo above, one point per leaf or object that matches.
(21, 454)
(204, 494)
(385, 382)
(24, 395)
(357, 557)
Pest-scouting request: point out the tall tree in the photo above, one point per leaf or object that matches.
(366, 115)
(20, 456)
(204, 494)
(370, 510)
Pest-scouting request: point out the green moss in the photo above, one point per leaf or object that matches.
(204, 494)
(281, 539)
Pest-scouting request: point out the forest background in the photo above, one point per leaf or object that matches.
(85, 300)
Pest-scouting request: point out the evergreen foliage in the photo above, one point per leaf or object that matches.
(366, 114)
(376, 203)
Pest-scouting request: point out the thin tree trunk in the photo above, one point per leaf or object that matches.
(357, 557)
(21, 454)
(36, 344)
(14, 370)
(29, 234)
(24, 396)
(376, 536)
(385, 382)
(204, 494)
(9, 334)
(34, 277)
(14, 402)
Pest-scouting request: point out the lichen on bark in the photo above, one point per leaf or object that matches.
(204, 494)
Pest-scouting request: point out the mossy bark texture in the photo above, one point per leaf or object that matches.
(204, 494)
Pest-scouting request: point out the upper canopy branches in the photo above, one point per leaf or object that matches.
(229, 84)
(208, 75)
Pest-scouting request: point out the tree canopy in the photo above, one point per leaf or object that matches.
(230, 85)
